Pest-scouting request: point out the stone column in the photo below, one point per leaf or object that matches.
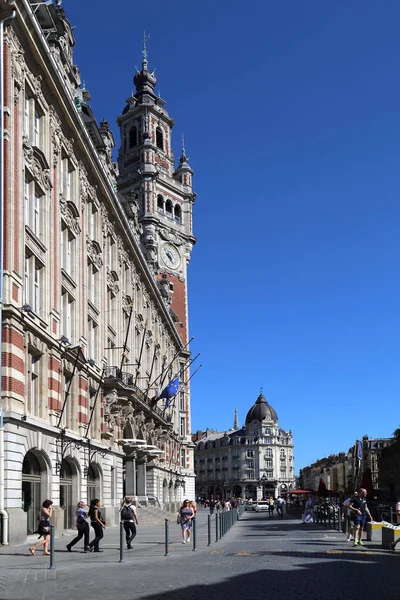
(130, 475)
(141, 480)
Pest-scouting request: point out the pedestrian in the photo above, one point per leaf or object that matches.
(82, 526)
(129, 518)
(227, 506)
(279, 506)
(212, 506)
(186, 516)
(308, 515)
(360, 510)
(271, 507)
(394, 544)
(98, 524)
(44, 517)
(347, 514)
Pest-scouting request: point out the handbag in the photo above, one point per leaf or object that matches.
(44, 527)
(178, 518)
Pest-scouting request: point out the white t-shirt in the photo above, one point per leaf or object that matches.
(398, 511)
(133, 507)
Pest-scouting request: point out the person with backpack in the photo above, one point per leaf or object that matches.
(129, 517)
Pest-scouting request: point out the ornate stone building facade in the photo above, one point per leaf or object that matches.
(255, 461)
(95, 312)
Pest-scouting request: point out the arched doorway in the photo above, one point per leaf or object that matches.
(93, 483)
(68, 491)
(251, 491)
(237, 491)
(33, 489)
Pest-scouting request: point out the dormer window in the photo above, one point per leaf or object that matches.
(133, 137)
(159, 138)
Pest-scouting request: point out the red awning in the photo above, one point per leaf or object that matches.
(298, 492)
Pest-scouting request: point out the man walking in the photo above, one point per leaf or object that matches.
(360, 511)
(279, 506)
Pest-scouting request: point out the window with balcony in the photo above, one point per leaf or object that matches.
(250, 475)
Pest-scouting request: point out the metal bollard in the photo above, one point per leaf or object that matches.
(209, 530)
(220, 526)
(52, 566)
(216, 527)
(194, 533)
(166, 533)
(121, 542)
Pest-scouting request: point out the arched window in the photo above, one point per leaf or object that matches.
(282, 453)
(178, 213)
(159, 138)
(160, 203)
(168, 208)
(133, 137)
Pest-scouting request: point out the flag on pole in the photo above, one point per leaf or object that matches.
(170, 390)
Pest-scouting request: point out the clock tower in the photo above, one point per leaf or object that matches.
(157, 195)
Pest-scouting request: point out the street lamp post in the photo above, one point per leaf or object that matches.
(263, 481)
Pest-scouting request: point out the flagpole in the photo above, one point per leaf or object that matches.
(169, 364)
(151, 370)
(69, 386)
(126, 338)
(141, 352)
(94, 403)
(194, 373)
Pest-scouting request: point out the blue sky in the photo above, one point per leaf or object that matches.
(291, 118)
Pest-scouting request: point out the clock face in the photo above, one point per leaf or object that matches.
(170, 255)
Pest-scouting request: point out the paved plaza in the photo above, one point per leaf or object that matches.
(258, 557)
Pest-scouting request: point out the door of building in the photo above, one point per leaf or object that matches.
(31, 489)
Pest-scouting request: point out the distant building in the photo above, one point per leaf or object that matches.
(254, 461)
(345, 472)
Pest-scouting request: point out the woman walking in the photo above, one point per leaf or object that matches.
(186, 515)
(98, 524)
(271, 507)
(128, 516)
(82, 526)
(44, 528)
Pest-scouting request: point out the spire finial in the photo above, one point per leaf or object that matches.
(236, 421)
(261, 391)
(183, 158)
(183, 145)
(144, 51)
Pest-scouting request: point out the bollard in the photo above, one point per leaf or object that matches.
(216, 527)
(52, 565)
(209, 530)
(166, 535)
(121, 542)
(194, 534)
(220, 526)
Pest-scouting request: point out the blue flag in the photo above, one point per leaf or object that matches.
(170, 390)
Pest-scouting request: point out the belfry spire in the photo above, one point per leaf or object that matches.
(236, 421)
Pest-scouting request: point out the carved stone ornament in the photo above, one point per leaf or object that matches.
(123, 257)
(139, 322)
(68, 144)
(107, 226)
(112, 279)
(149, 338)
(127, 303)
(86, 190)
(70, 215)
(94, 252)
(18, 68)
(171, 236)
(40, 174)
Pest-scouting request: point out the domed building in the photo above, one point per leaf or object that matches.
(255, 461)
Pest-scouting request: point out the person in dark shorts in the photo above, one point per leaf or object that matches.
(360, 511)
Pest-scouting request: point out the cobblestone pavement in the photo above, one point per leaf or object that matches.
(257, 557)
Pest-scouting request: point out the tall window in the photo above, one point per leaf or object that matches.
(182, 401)
(250, 475)
(34, 201)
(178, 213)
(160, 203)
(268, 463)
(36, 131)
(33, 384)
(268, 452)
(168, 208)
(32, 120)
(32, 287)
(93, 335)
(68, 251)
(133, 137)
(159, 138)
(183, 457)
(182, 430)
(92, 283)
(67, 303)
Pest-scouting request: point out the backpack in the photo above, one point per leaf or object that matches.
(127, 514)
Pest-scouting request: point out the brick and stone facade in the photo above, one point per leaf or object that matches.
(89, 327)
